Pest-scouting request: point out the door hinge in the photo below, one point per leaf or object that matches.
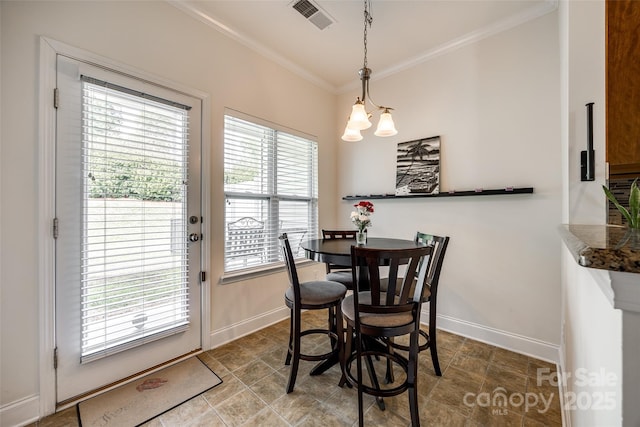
(203, 276)
(55, 358)
(56, 98)
(55, 228)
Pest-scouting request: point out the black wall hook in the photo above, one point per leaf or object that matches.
(587, 158)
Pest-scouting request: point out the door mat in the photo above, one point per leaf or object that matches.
(139, 401)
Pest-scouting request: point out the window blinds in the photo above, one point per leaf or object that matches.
(271, 187)
(134, 250)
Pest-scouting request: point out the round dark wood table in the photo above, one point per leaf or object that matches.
(338, 251)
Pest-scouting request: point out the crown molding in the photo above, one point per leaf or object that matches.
(467, 39)
(196, 12)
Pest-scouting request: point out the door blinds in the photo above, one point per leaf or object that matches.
(134, 250)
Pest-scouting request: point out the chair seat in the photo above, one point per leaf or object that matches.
(318, 292)
(341, 276)
(371, 319)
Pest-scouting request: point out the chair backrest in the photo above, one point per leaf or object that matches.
(338, 234)
(292, 272)
(439, 244)
(245, 238)
(409, 297)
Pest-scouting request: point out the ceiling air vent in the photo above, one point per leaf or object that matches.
(313, 13)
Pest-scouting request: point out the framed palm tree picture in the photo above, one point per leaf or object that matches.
(418, 167)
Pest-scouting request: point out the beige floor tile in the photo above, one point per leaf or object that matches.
(344, 404)
(266, 417)
(447, 340)
(239, 408)
(65, 418)
(477, 349)
(452, 394)
(214, 364)
(374, 416)
(544, 373)
(471, 364)
(253, 372)
(324, 418)
(547, 405)
(499, 376)
(490, 416)
(293, 407)
(254, 380)
(511, 361)
(435, 414)
(271, 387)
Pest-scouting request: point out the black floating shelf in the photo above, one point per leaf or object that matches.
(478, 192)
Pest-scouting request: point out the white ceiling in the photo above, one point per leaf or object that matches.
(403, 33)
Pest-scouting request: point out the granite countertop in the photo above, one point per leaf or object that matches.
(606, 247)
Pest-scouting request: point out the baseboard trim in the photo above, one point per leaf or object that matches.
(247, 326)
(504, 339)
(21, 412)
(507, 340)
(563, 390)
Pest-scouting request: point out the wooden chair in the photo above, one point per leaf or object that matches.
(429, 339)
(313, 295)
(371, 315)
(339, 273)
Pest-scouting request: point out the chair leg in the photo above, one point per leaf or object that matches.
(359, 368)
(389, 377)
(288, 359)
(374, 380)
(433, 347)
(332, 323)
(346, 352)
(412, 379)
(295, 349)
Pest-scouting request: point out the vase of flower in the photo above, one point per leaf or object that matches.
(361, 218)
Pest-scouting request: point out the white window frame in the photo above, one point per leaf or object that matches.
(272, 198)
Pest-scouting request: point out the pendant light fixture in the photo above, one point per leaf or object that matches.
(359, 118)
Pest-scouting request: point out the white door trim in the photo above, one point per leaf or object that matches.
(46, 201)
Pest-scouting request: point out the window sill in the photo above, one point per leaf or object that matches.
(243, 275)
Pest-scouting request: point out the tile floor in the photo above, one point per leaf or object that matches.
(481, 385)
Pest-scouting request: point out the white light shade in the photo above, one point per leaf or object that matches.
(359, 119)
(351, 135)
(386, 127)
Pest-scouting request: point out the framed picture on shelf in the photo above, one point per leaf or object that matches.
(418, 167)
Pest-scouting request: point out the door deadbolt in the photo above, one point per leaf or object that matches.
(194, 237)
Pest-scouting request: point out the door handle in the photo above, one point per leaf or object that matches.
(194, 237)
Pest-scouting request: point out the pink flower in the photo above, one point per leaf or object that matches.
(360, 217)
(364, 206)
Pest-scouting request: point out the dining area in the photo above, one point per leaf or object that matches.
(378, 311)
(254, 380)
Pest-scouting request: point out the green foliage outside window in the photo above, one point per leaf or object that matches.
(135, 178)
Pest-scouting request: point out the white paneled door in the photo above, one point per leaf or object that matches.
(127, 228)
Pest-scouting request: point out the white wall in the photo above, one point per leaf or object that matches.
(157, 38)
(591, 328)
(592, 348)
(584, 25)
(496, 106)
